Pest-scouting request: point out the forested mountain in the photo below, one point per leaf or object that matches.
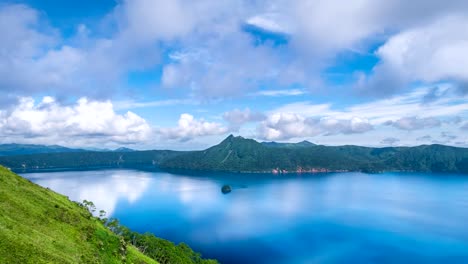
(87, 160)
(247, 155)
(24, 149)
(302, 144)
(238, 154)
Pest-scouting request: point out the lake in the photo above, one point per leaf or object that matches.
(308, 218)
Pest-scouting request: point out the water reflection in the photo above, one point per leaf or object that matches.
(327, 218)
(104, 191)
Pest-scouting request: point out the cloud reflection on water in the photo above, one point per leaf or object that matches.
(332, 215)
(104, 191)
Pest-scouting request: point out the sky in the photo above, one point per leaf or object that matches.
(182, 74)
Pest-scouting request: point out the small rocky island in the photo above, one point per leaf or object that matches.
(226, 189)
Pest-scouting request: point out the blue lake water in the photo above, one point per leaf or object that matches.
(315, 218)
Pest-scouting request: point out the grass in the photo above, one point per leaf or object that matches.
(38, 225)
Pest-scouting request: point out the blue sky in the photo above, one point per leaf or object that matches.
(185, 74)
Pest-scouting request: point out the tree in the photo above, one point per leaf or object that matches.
(89, 205)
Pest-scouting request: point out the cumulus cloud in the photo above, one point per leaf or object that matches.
(281, 126)
(228, 66)
(404, 56)
(84, 123)
(393, 108)
(339, 126)
(285, 126)
(213, 55)
(225, 60)
(236, 118)
(414, 123)
(35, 58)
(189, 128)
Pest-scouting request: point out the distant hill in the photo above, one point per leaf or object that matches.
(302, 144)
(238, 154)
(38, 225)
(25, 149)
(87, 160)
(124, 150)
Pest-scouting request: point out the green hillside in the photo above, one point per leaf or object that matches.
(38, 225)
(238, 154)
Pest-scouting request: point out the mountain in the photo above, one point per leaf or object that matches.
(302, 144)
(38, 225)
(86, 160)
(238, 154)
(124, 150)
(25, 149)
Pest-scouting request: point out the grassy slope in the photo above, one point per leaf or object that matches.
(41, 226)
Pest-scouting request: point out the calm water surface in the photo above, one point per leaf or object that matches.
(321, 218)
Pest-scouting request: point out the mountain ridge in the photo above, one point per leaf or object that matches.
(238, 154)
(12, 149)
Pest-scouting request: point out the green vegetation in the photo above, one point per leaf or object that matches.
(87, 160)
(226, 189)
(237, 154)
(302, 144)
(24, 149)
(162, 250)
(38, 225)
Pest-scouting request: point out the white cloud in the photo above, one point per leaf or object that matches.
(229, 65)
(414, 123)
(464, 127)
(406, 112)
(229, 61)
(85, 123)
(339, 126)
(130, 104)
(275, 93)
(393, 108)
(237, 117)
(270, 22)
(428, 53)
(189, 128)
(105, 190)
(443, 41)
(281, 126)
(389, 141)
(149, 20)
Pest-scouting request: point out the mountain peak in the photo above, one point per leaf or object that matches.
(124, 149)
(301, 144)
(232, 138)
(305, 142)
